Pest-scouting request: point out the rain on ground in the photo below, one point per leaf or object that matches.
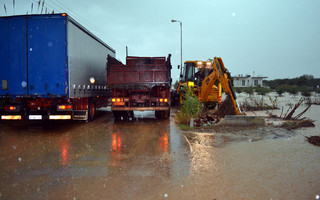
(147, 158)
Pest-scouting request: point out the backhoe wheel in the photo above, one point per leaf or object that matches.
(91, 111)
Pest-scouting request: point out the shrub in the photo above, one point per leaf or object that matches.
(306, 92)
(262, 91)
(248, 90)
(293, 89)
(191, 105)
(182, 118)
(280, 90)
(238, 89)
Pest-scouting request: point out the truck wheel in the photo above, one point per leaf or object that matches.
(130, 114)
(158, 114)
(166, 114)
(91, 111)
(117, 115)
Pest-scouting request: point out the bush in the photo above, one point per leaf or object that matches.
(280, 90)
(238, 89)
(182, 118)
(306, 92)
(293, 89)
(248, 90)
(191, 105)
(262, 91)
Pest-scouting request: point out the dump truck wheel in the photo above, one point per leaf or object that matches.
(117, 115)
(91, 111)
(166, 114)
(158, 114)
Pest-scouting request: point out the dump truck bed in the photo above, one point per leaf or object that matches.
(139, 73)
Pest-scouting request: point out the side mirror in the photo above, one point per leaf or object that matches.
(178, 66)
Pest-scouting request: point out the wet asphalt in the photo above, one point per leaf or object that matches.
(98, 160)
(145, 158)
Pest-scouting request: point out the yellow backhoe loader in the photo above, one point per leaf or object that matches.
(208, 79)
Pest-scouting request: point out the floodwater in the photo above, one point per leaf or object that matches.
(150, 159)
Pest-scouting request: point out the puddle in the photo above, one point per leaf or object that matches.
(222, 136)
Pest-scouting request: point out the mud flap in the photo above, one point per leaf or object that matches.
(80, 115)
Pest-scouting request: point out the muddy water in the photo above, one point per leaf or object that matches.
(255, 163)
(63, 160)
(150, 159)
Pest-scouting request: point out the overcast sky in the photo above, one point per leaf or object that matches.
(273, 38)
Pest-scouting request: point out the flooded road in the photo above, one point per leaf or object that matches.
(150, 159)
(74, 160)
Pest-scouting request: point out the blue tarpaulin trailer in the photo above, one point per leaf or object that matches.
(51, 67)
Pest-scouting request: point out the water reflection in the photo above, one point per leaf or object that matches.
(164, 142)
(116, 142)
(141, 147)
(64, 145)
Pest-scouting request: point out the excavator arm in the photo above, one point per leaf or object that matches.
(221, 73)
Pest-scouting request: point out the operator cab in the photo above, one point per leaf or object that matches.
(196, 71)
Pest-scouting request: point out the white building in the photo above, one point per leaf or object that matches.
(248, 81)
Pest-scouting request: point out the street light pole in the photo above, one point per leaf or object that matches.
(180, 41)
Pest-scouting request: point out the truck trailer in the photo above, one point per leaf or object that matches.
(51, 67)
(143, 84)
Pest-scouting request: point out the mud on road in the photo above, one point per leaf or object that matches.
(150, 159)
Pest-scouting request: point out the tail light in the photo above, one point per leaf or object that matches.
(161, 100)
(116, 100)
(64, 107)
(11, 108)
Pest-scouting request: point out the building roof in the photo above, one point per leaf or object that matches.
(248, 76)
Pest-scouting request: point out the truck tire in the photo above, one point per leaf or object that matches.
(158, 114)
(91, 110)
(162, 114)
(166, 114)
(117, 115)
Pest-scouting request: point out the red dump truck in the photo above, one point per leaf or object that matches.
(143, 84)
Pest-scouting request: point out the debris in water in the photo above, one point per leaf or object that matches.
(19, 159)
(289, 113)
(290, 125)
(165, 195)
(315, 140)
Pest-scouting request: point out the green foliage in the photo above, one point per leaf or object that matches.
(191, 105)
(293, 89)
(248, 90)
(238, 89)
(182, 118)
(262, 91)
(306, 92)
(302, 81)
(280, 90)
